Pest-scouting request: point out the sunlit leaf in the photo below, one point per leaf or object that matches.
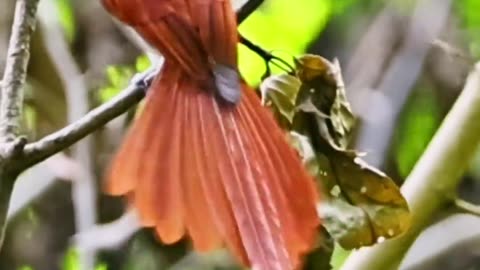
(142, 63)
(339, 256)
(118, 78)
(282, 90)
(72, 262)
(102, 266)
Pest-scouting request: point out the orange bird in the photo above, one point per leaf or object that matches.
(204, 158)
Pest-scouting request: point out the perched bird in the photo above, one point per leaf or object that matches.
(204, 158)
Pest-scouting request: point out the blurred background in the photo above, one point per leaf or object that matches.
(404, 63)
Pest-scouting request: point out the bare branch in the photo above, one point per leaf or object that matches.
(16, 69)
(110, 235)
(12, 101)
(57, 141)
(84, 191)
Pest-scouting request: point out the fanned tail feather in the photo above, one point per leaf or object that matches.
(221, 174)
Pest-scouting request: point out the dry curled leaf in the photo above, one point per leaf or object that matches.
(366, 195)
(362, 205)
(282, 91)
(323, 93)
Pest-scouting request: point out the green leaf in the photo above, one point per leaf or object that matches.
(470, 18)
(101, 266)
(71, 261)
(142, 63)
(119, 77)
(339, 256)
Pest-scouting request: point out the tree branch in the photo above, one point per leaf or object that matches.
(84, 187)
(437, 174)
(57, 141)
(16, 69)
(12, 101)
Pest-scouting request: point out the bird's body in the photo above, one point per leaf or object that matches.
(205, 158)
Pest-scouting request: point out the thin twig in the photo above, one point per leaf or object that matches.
(452, 51)
(247, 9)
(467, 207)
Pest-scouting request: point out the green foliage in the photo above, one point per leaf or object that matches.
(25, 267)
(66, 17)
(142, 254)
(30, 117)
(142, 63)
(417, 125)
(118, 77)
(71, 262)
(468, 11)
(284, 27)
(338, 257)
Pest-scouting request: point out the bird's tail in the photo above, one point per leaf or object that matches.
(219, 173)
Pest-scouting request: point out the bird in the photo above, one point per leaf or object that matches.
(204, 160)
